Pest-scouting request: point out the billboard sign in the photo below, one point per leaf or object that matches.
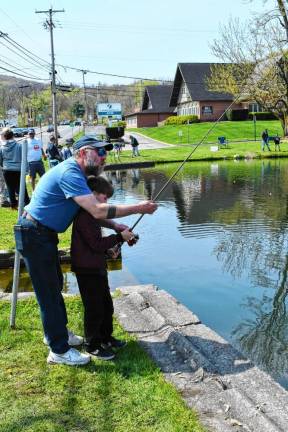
(109, 110)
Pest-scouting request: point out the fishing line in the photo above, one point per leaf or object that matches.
(186, 159)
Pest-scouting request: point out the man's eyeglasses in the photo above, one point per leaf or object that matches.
(100, 151)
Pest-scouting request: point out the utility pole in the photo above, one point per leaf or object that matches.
(49, 24)
(23, 106)
(84, 72)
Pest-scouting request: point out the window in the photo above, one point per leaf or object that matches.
(207, 109)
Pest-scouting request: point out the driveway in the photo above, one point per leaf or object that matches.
(145, 143)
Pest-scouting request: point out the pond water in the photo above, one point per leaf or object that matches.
(218, 243)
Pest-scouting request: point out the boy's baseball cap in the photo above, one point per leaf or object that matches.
(89, 141)
(31, 131)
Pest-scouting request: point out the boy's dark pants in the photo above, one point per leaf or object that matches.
(98, 309)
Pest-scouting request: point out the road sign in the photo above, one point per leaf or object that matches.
(71, 124)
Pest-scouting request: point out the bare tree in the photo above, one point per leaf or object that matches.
(255, 56)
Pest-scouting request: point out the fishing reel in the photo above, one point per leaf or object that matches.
(134, 240)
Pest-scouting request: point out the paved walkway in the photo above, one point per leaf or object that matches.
(144, 141)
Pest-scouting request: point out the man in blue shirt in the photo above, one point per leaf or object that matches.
(54, 204)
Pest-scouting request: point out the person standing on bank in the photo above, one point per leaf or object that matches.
(35, 153)
(135, 145)
(277, 142)
(88, 262)
(53, 153)
(10, 161)
(55, 202)
(265, 140)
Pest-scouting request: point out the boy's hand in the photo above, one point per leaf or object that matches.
(120, 227)
(127, 235)
(114, 252)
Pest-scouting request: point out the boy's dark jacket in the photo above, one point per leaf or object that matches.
(88, 247)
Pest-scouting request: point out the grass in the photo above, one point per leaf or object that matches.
(242, 130)
(203, 152)
(127, 395)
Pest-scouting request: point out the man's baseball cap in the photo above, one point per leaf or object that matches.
(31, 131)
(89, 141)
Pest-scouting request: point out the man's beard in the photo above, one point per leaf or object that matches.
(92, 169)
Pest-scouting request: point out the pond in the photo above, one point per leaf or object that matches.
(218, 243)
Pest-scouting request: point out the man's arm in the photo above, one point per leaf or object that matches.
(106, 211)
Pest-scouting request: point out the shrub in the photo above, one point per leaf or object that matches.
(237, 114)
(183, 119)
(262, 116)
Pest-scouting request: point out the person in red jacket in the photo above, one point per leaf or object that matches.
(88, 261)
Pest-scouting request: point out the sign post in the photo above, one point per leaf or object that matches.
(72, 126)
(16, 270)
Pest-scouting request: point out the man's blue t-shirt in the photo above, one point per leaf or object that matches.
(52, 201)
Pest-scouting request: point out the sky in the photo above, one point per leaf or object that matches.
(131, 38)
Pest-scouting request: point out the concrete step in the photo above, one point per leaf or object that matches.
(225, 388)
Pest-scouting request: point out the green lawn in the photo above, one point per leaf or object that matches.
(242, 130)
(126, 395)
(203, 152)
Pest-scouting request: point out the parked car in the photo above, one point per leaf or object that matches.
(25, 131)
(77, 123)
(50, 128)
(18, 132)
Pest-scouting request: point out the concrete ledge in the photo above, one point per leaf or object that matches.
(7, 258)
(227, 390)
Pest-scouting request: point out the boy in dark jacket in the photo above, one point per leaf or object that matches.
(88, 261)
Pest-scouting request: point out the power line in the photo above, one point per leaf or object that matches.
(23, 76)
(28, 53)
(34, 64)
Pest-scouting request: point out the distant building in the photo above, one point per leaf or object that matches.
(155, 107)
(11, 120)
(191, 96)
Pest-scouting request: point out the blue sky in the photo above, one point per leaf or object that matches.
(128, 37)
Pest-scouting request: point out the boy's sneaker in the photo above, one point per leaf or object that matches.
(102, 352)
(72, 357)
(115, 343)
(73, 340)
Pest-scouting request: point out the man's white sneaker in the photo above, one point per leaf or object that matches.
(72, 357)
(73, 340)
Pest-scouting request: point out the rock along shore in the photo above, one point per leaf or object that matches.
(227, 390)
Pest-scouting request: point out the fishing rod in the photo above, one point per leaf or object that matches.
(187, 158)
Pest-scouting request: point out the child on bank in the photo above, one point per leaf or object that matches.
(88, 261)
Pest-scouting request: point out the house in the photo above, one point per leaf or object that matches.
(191, 96)
(155, 107)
